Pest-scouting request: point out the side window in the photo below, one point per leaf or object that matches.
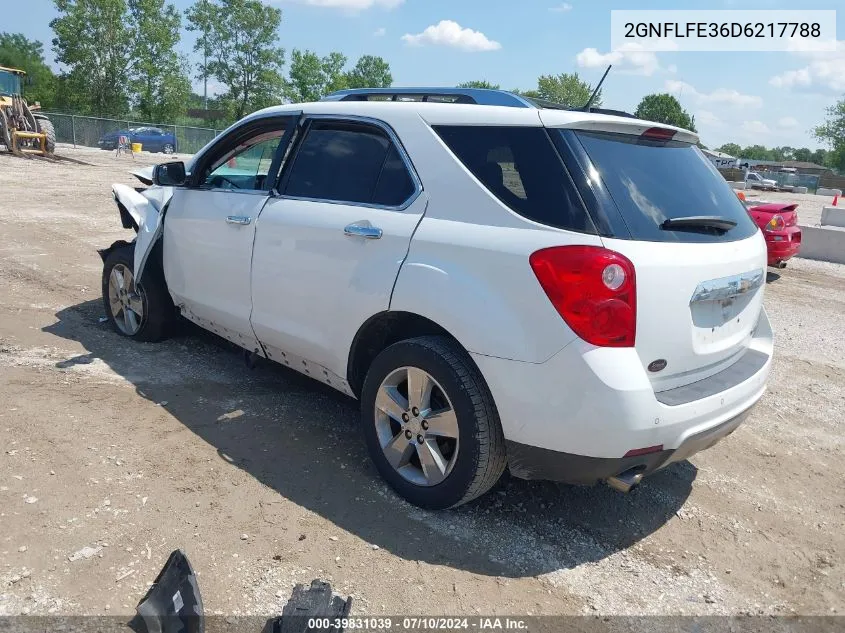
(349, 162)
(246, 166)
(521, 167)
(394, 184)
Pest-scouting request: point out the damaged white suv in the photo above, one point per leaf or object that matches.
(575, 296)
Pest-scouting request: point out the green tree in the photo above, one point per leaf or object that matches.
(730, 148)
(160, 86)
(370, 72)
(819, 157)
(479, 83)
(311, 77)
(803, 154)
(566, 89)
(93, 42)
(241, 40)
(335, 77)
(756, 152)
(832, 133)
(664, 108)
(16, 51)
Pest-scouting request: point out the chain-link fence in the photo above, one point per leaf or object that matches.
(99, 132)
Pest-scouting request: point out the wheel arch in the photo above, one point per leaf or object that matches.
(379, 332)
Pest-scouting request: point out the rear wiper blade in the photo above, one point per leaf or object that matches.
(699, 222)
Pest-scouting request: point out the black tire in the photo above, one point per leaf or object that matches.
(158, 309)
(482, 457)
(5, 133)
(167, 149)
(45, 126)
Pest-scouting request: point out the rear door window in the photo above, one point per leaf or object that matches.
(652, 181)
(520, 166)
(350, 162)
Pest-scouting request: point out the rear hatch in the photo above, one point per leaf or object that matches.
(699, 259)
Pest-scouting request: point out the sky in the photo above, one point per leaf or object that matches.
(770, 98)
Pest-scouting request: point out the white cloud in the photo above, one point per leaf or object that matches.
(561, 8)
(630, 58)
(351, 5)
(787, 122)
(754, 129)
(706, 117)
(380, 32)
(826, 70)
(450, 33)
(726, 96)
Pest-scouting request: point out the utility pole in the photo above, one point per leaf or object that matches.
(205, 62)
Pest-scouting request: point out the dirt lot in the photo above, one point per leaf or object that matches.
(260, 475)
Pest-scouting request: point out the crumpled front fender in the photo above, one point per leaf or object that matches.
(146, 211)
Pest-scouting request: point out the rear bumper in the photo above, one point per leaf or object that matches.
(531, 462)
(576, 416)
(783, 245)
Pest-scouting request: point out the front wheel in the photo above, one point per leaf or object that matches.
(45, 126)
(430, 423)
(168, 148)
(142, 311)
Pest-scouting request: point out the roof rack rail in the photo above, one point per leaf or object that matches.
(475, 96)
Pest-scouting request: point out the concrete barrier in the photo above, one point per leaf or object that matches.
(826, 244)
(737, 184)
(821, 191)
(833, 216)
(799, 190)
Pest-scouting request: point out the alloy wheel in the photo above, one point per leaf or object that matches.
(126, 300)
(417, 426)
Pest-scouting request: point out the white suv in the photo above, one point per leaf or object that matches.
(572, 295)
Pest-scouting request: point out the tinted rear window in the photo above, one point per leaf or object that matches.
(521, 167)
(653, 181)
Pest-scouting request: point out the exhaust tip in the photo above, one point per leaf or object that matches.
(627, 481)
(781, 265)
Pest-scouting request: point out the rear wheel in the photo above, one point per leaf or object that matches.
(142, 311)
(5, 133)
(45, 126)
(430, 424)
(167, 149)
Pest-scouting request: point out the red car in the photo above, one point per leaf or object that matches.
(779, 223)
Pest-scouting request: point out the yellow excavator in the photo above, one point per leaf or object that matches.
(22, 127)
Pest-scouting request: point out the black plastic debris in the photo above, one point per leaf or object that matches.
(173, 604)
(314, 603)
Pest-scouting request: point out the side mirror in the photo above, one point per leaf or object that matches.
(170, 174)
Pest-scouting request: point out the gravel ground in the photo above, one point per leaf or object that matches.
(113, 454)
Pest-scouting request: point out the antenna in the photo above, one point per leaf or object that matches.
(589, 103)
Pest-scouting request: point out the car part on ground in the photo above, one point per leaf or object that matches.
(572, 316)
(173, 604)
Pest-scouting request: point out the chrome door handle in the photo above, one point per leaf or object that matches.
(238, 219)
(361, 230)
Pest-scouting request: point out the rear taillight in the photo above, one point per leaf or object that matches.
(776, 223)
(593, 289)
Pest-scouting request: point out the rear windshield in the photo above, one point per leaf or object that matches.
(655, 181)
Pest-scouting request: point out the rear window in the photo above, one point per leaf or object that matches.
(521, 167)
(654, 181)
